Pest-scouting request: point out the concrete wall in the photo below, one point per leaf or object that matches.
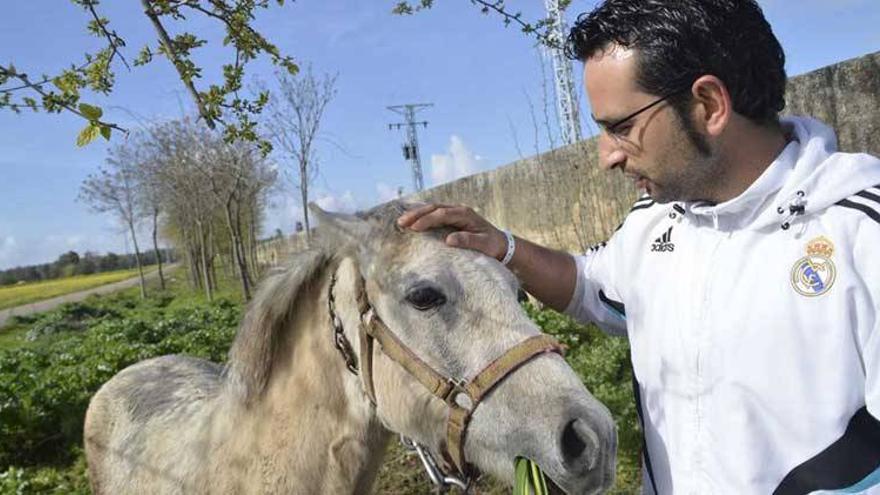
(846, 96)
(561, 198)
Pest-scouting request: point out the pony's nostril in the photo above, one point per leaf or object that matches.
(579, 443)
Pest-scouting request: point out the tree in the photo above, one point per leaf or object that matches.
(205, 186)
(540, 28)
(88, 263)
(68, 258)
(235, 173)
(66, 264)
(114, 190)
(150, 190)
(293, 121)
(189, 212)
(96, 73)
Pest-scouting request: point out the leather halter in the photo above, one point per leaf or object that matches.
(462, 397)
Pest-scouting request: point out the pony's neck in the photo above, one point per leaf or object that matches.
(318, 404)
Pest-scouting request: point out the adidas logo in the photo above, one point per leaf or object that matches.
(663, 244)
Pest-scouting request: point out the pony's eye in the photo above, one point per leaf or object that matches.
(425, 298)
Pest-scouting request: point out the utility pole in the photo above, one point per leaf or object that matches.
(411, 146)
(566, 97)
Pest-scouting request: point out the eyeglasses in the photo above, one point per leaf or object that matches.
(613, 129)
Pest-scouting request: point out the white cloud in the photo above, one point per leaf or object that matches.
(286, 209)
(344, 204)
(119, 241)
(386, 192)
(458, 161)
(8, 251)
(73, 241)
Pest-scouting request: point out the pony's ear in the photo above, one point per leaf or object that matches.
(268, 315)
(340, 229)
(341, 233)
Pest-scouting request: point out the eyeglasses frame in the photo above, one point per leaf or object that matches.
(611, 128)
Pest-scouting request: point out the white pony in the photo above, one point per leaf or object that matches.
(457, 366)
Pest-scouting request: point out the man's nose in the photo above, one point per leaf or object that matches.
(610, 154)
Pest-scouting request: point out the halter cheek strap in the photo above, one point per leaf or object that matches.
(462, 397)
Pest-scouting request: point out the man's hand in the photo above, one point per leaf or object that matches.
(472, 231)
(547, 274)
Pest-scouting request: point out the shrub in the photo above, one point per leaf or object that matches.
(45, 386)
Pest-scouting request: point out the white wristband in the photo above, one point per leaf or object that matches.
(511, 248)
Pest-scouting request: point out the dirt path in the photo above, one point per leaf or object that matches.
(47, 304)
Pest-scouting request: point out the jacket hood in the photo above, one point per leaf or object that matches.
(807, 177)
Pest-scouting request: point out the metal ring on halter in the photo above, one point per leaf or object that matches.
(440, 479)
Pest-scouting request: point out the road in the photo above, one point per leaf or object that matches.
(47, 304)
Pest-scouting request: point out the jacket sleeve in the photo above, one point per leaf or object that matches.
(595, 297)
(867, 266)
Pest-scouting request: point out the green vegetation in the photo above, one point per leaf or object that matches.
(17, 295)
(72, 263)
(45, 384)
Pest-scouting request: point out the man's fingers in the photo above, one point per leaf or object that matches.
(444, 216)
(408, 218)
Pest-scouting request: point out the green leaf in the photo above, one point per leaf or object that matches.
(105, 131)
(88, 134)
(90, 112)
(522, 476)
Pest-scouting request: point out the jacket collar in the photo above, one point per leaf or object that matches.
(741, 211)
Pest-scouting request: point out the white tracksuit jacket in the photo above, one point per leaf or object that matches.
(753, 327)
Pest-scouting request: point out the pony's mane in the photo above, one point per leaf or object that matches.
(268, 315)
(252, 354)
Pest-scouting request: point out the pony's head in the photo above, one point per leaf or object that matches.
(442, 352)
(457, 312)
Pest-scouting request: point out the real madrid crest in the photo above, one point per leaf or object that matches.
(814, 274)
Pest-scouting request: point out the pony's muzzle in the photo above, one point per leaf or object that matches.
(579, 444)
(586, 449)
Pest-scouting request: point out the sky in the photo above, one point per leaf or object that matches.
(485, 81)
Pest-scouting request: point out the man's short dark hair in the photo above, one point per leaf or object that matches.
(678, 41)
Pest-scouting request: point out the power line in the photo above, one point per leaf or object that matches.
(411, 145)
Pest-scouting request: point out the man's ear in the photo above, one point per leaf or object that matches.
(713, 107)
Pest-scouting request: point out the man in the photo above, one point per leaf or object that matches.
(746, 279)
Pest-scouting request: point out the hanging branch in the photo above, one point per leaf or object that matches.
(186, 74)
(540, 28)
(218, 104)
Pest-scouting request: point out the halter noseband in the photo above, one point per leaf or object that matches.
(462, 397)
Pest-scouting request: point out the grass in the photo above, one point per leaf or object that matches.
(400, 473)
(13, 335)
(16, 295)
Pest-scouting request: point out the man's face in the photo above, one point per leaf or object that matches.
(654, 148)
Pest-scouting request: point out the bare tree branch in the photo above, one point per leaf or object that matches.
(175, 60)
(113, 39)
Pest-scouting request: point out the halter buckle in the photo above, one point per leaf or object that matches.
(368, 316)
(458, 395)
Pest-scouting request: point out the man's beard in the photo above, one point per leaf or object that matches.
(695, 174)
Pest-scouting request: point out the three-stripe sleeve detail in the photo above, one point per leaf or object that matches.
(850, 464)
(867, 202)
